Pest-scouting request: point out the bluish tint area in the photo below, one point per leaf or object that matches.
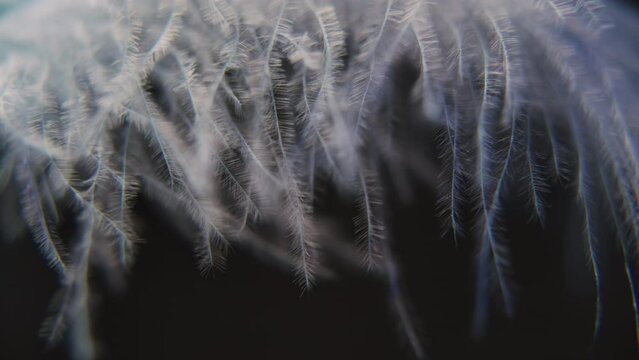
(7, 5)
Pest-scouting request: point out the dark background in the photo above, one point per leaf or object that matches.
(250, 311)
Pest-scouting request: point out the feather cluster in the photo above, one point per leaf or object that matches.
(242, 113)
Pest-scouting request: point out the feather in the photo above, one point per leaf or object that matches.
(369, 229)
(248, 115)
(43, 230)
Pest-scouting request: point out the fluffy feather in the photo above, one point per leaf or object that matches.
(242, 113)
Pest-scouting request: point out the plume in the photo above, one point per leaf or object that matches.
(247, 115)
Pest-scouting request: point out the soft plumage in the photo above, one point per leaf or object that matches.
(241, 113)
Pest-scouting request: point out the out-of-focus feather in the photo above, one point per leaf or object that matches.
(242, 113)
